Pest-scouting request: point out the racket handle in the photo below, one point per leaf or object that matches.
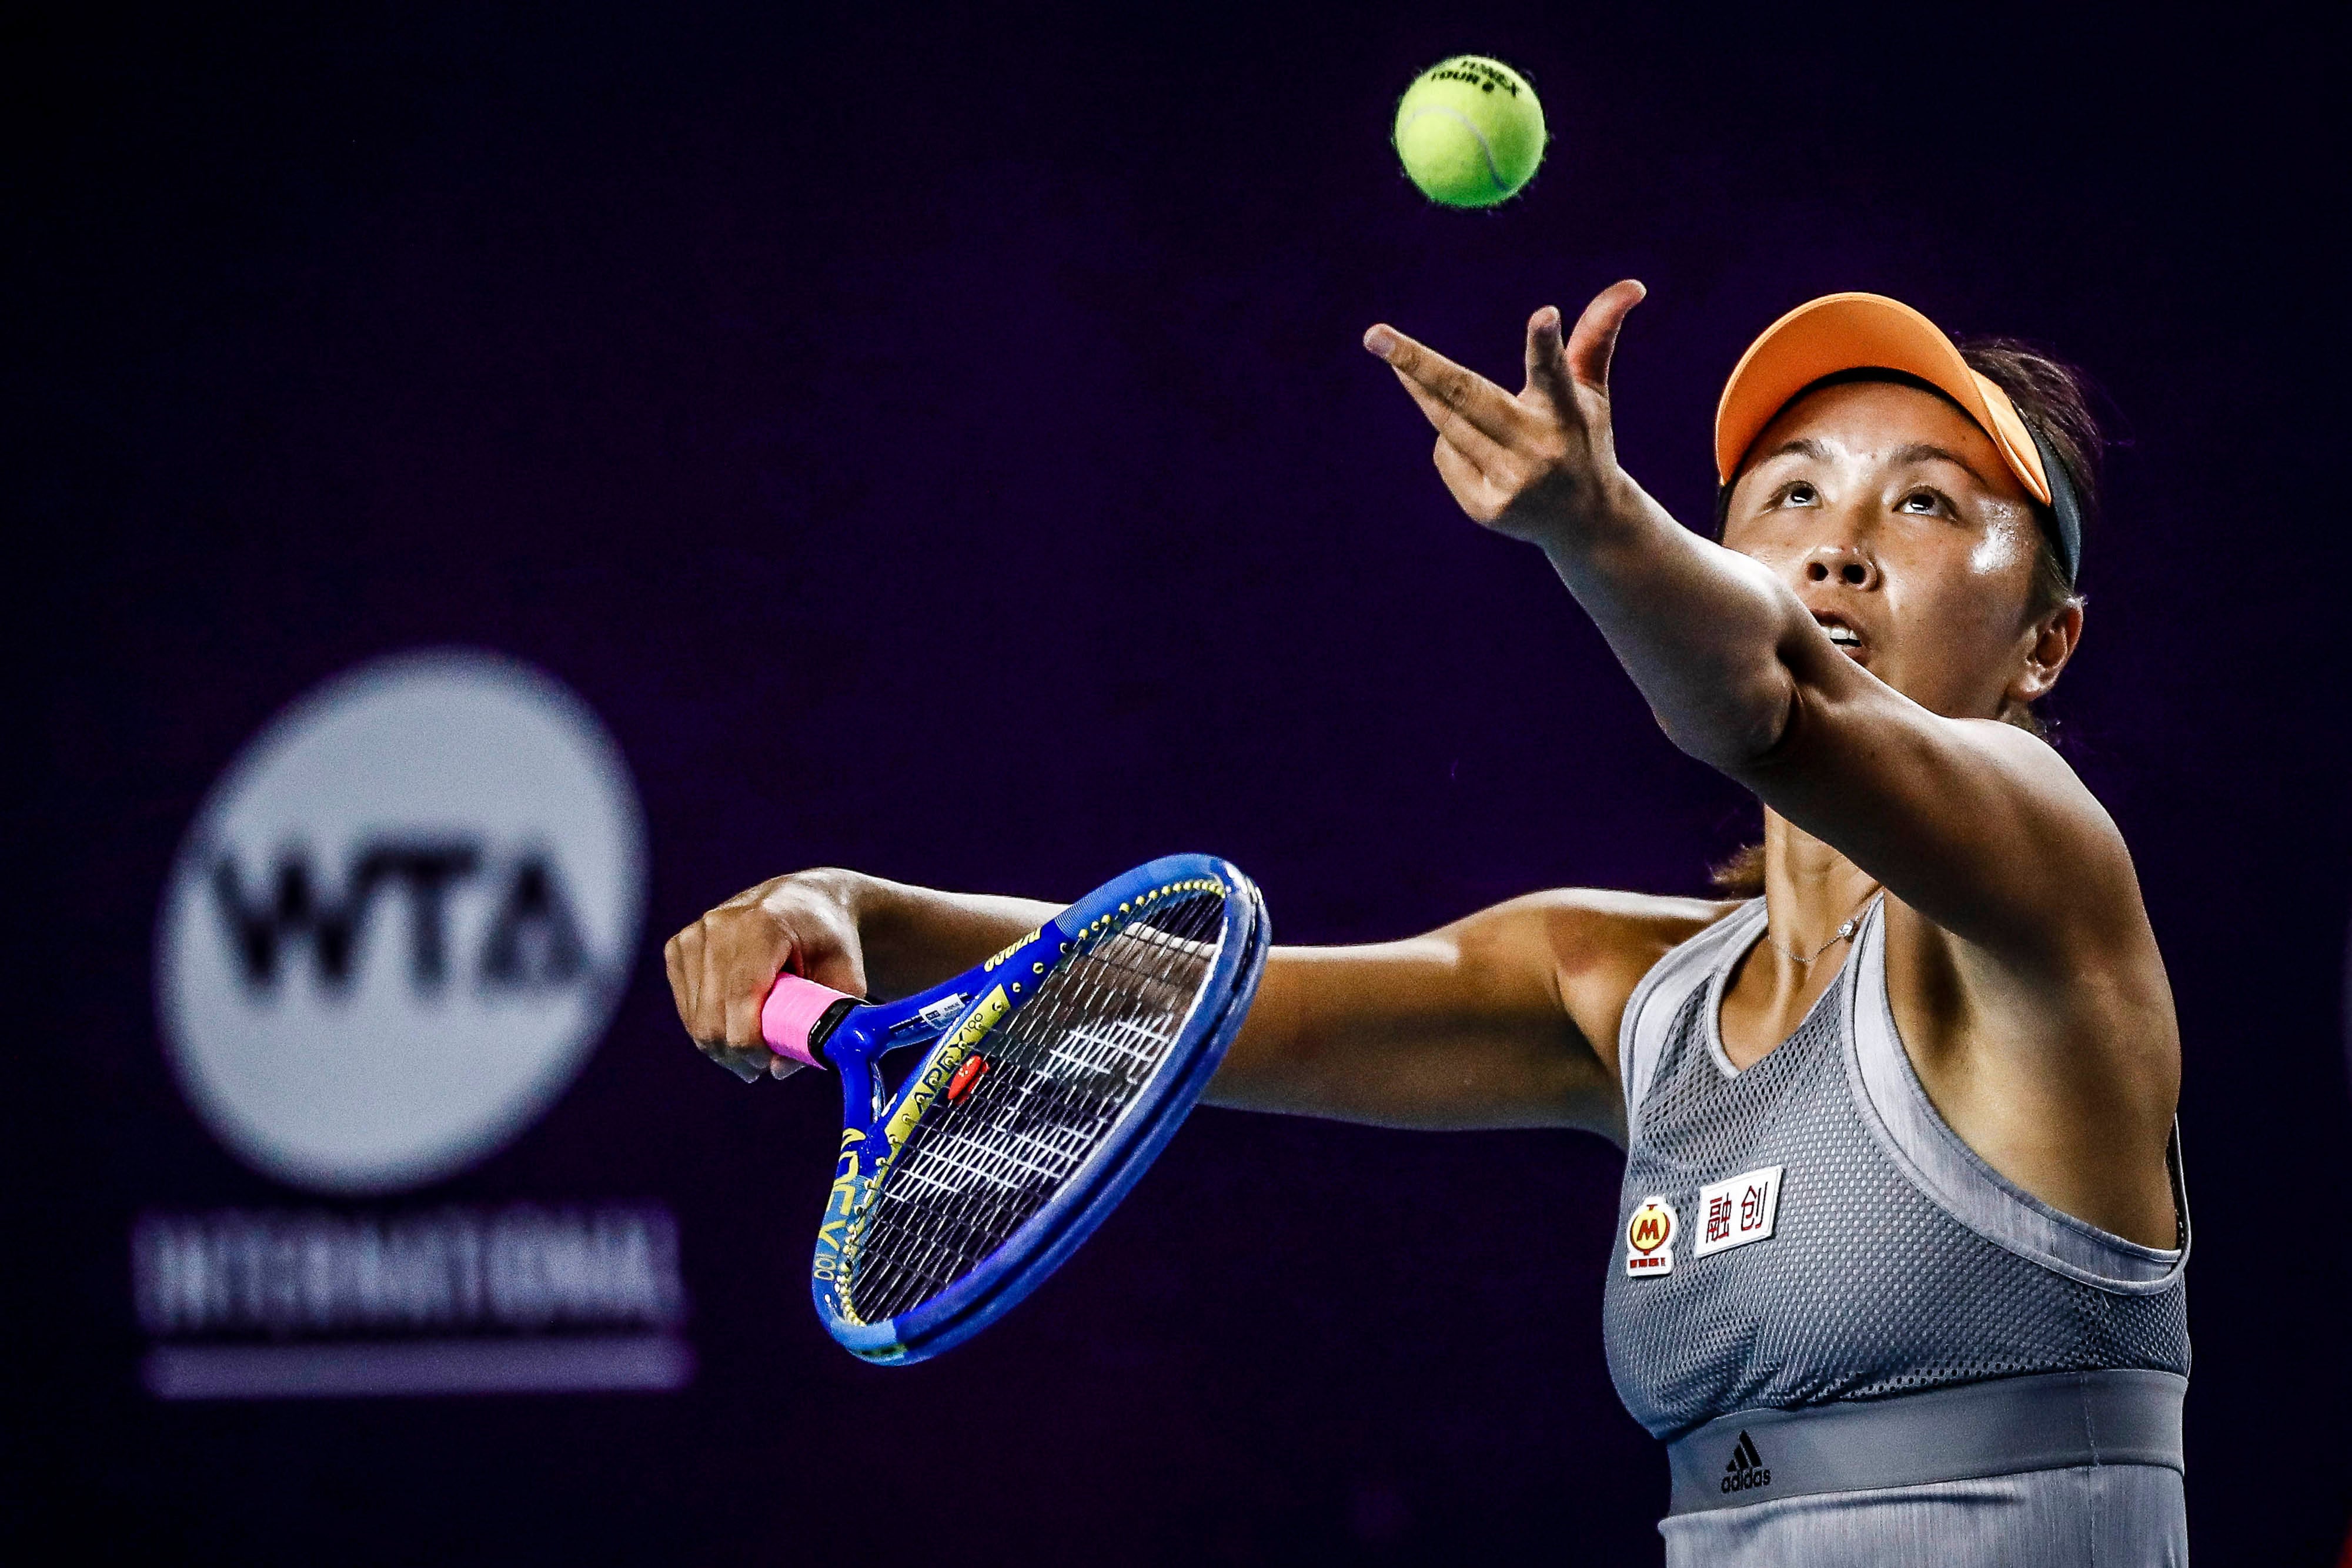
(791, 1017)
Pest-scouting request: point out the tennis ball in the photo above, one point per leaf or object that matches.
(1470, 131)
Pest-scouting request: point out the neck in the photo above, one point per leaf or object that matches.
(1809, 891)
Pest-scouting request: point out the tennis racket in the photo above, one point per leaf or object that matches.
(1054, 1075)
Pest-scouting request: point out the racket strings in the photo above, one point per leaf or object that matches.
(1062, 1071)
(1095, 1040)
(966, 1181)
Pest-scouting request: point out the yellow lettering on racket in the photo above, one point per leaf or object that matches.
(1018, 943)
(844, 1189)
(982, 1018)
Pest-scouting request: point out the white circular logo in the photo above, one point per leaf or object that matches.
(401, 921)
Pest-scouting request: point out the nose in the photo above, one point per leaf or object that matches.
(1841, 563)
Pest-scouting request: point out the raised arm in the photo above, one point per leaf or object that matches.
(1699, 629)
(1974, 823)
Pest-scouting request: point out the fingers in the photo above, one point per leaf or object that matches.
(743, 1006)
(682, 957)
(1467, 393)
(1548, 376)
(715, 977)
(719, 985)
(744, 1018)
(1466, 437)
(736, 977)
(1594, 342)
(1532, 465)
(681, 994)
(1476, 493)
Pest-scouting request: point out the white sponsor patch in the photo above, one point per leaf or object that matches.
(1734, 1212)
(1650, 1239)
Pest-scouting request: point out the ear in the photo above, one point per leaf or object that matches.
(2051, 643)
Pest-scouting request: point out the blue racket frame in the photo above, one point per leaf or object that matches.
(954, 1017)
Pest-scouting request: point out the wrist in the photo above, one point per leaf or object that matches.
(1617, 514)
(849, 892)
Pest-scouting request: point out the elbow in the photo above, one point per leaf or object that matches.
(1741, 724)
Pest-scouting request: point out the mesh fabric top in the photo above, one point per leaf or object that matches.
(1866, 1289)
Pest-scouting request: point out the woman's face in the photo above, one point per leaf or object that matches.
(1893, 517)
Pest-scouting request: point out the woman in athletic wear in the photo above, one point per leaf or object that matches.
(1902, 1229)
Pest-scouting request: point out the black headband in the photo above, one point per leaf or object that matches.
(2066, 510)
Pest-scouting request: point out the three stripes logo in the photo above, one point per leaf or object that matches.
(1745, 1471)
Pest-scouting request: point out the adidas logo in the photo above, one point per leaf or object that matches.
(1745, 1469)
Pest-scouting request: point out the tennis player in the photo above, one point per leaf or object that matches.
(1901, 1237)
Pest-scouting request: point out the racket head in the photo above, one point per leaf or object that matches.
(1161, 964)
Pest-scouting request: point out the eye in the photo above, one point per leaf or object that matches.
(1799, 493)
(1924, 503)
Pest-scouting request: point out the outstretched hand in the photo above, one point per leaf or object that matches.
(1538, 464)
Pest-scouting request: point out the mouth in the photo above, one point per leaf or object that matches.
(1842, 634)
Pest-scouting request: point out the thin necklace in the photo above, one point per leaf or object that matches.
(1852, 924)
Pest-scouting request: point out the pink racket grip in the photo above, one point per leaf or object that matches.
(790, 1011)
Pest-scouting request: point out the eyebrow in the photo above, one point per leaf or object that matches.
(1917, 452)
(1925, 452)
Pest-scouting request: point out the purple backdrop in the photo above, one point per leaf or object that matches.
(787, 386)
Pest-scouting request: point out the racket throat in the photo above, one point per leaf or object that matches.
(932, 1019)
(826, 1023)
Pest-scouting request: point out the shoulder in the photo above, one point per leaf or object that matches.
(1599, 942)
(2093, 913)
(1592, 927)
(1635, 923)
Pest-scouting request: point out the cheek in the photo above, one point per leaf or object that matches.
(1970, 594)
(2000, 553)
(1781, 547)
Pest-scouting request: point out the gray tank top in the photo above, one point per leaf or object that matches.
(1816, 1234)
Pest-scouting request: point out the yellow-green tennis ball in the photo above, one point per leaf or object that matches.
(1470, 131)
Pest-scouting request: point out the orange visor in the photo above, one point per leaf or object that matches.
(1862, 331)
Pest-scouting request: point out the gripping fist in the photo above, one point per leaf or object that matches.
(722, 966)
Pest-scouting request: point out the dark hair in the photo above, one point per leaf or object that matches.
(2051, 398)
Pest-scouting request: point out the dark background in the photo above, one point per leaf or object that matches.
(789, 384)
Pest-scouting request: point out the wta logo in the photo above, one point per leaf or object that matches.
(401, 921)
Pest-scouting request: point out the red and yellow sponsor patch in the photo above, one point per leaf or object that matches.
(1650, 1237)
